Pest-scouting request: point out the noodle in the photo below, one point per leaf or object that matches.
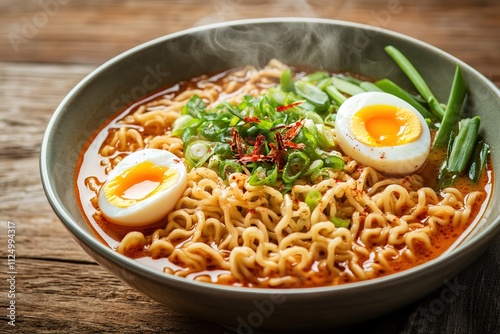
(258, 236)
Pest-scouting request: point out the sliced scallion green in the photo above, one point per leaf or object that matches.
(313, 94)
(346, 87)
(312, 199)
(339, 222)
(286, 81)
(335, 94)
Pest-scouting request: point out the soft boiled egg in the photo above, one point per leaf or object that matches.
(383, 131)
(143, 188)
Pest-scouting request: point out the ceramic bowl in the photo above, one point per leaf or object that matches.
(315, 43)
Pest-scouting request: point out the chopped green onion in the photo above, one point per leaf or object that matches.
(314, 167)
(330, 160)
(306, 137)
(313, 94)
(190, 134)
(286, 81)
(197, 152)
(229, 166)
(316, 76)
(335, 94)
(263, 176)
(324, 83)
(320, 174)
(347, 87)
(213, 162)
(339, 222)
(370, 87)
(211, 130)
(334, 162)
(351, 79)
(182, 123)
(194, 107)
(312, 199)
(296, 164)
(222, 149)
(314, 117)
(325, 137)
(417, 80)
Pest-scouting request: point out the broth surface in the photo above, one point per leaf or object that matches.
(368, 256)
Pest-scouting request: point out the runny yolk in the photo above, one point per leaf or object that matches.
(385, 125)
(138, 183)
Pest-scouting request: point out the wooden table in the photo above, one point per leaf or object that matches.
(47, 46)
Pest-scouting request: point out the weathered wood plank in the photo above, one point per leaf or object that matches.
(94, 31)
(29, 93)
(64, 297)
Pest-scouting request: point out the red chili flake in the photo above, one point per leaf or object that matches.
(258, 147)
(237, 144)
(293, 131)
(289, 106)
(254, 158)
(291, 144)
(253, 119)
(257, 153)
(277, 153)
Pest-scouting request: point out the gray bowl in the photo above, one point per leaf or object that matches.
(317, 43)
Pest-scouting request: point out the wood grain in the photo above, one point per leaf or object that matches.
(94, 31)
(59, 287)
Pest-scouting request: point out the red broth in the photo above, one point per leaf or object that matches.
(91, 174)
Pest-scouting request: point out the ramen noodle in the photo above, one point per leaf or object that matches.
(223, 229)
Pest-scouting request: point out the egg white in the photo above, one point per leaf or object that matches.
(400, 159)
(152, 208)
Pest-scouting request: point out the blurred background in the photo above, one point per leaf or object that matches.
(92, 31)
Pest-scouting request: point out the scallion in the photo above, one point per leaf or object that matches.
(417, 80)
(479, 159)
(197, 152)
(370, 87)
(390, 87)
(312, 199)
(263, 176)
(296, 164)
(452, 112)
(286, 81)
(339, 222)
(313, 94)
(463, 144)
(347, 87)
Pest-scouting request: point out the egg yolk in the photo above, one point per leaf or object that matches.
(138, 183)
(385, 125)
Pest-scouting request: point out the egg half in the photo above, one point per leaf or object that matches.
(143, 188)
(383, 131)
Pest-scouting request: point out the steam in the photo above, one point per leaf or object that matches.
(228, 10)
(298, 38)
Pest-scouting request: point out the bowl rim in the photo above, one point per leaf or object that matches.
(92, 242)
